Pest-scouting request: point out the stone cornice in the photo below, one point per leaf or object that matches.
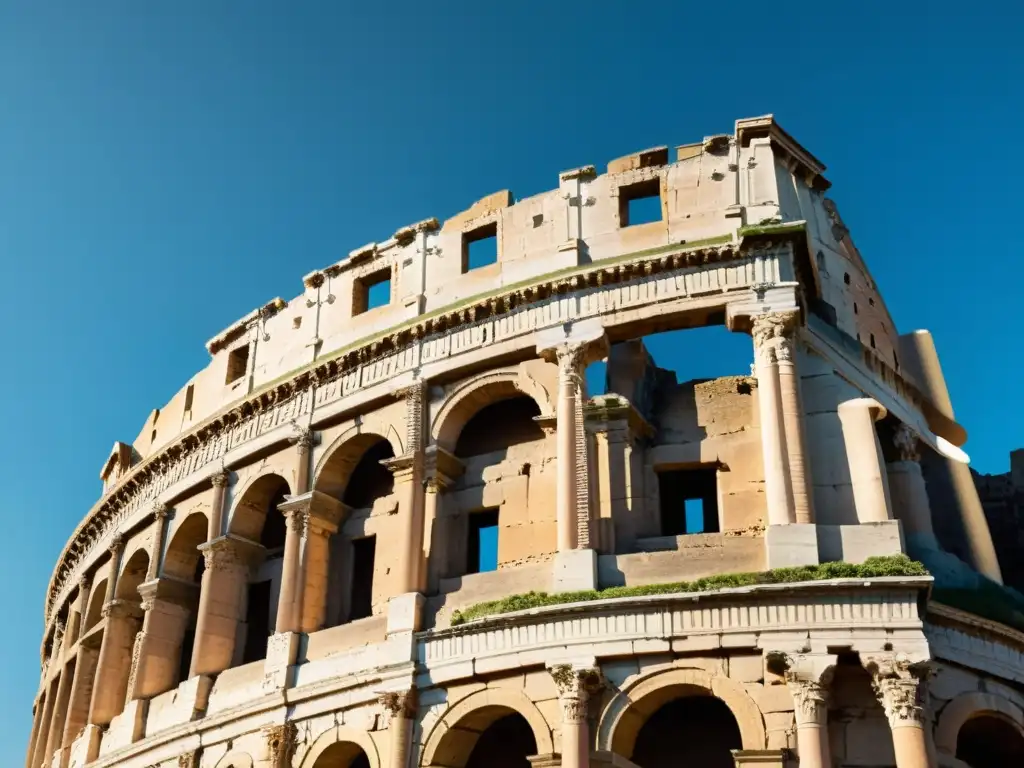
(293, 393)
(965, 621)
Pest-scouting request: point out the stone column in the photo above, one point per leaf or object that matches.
(55, 735)
(793, 422)
(570, 357)
(864, 454)
(114, 665)
(781, 510)
(215, 525)
(441, 468)
(37, 757)
(81, 690)
(401, 707)
(160, 511)
(810, 699)
(907, 489)
(77, 620)
(290, 596)
(166, 613)
(303, 446)
(221, 600)
(408, 471)
(575, 684)
(901, 689)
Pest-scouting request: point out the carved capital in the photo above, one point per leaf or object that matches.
(219, 479)
(810, 701)
(901, 688)
(188, 760)
(160, 511)
(116, 546)
(772, 330)
(905, 440)
(575, 685)
(400, 703)
(119, 609)
(281, 742)
(298, 521)
(303, 438)
(570, 357)
(227, 554)
(413, 396)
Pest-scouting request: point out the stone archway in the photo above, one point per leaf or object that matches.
(630, 709)
(478, 392)
(342, 747)
(455, 735)
(334, 469)
(981, 727)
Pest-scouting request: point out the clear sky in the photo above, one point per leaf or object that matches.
(165, 167)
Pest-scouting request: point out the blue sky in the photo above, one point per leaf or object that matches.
(167, 166)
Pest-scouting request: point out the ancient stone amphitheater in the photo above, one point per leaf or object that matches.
(326, 550)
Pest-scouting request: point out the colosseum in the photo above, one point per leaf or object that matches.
(387, 526)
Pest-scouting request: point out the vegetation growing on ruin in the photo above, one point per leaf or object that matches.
(873, 567)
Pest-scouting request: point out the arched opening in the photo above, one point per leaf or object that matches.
(94, 611)
(507, 742)
(344, 754)
(354, 474)
(184, 563)
(256, 517)
(498, 426)
(692, 730)
(990, 741)
(370, 480)
(133, 573)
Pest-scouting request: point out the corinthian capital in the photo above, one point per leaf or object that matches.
(901, 688)
(281, 742)
(303, 438)
(399, 703)
(772, 329)
(810, 701)
(575, 684)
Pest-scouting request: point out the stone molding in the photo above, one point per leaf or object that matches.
(674, 272)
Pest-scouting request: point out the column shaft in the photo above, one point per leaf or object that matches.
(315, 575)
(159, 524)
(43, 734)
(114, 664)
(864, 454)
(569, 360)
(289, 600)
(773, 441)
(81, 693)
(215, 525)
(37, 717)
(303, 447)
(163, 632)
(401, 735)
(908, 743)
(221, 598)
(796, 442)
(60, 710)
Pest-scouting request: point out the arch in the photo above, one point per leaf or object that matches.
(970, 705)
(235, 760)
(472, 395)
(249, 512)
(341, 734)
(182, 559)
(628, 710)
(94, 611)
(334, 468)
(453, 736)
(133, 573)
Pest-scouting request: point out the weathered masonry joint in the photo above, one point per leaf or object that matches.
(283, 567)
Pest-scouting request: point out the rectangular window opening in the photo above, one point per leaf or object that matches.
(480, 247)
(238, 363)
(371, 291)
(258, 622)
(640, 203)
(363, 554)
(689, 501)
(189, 395)
(482, 549)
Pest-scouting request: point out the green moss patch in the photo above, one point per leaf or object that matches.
(873, 567)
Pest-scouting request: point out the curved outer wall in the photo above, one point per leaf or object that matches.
(271, 574)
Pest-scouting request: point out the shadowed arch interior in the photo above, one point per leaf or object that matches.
(506, 743)
(990, 741)
(344, 754)
(499, 425)
(693, 730)
(133, 573)
(347, 464)
(182, 559)
(257, 502)
(94, 611)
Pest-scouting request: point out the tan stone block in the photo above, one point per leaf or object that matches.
(771, 698)
(539, 686)
(746, 668)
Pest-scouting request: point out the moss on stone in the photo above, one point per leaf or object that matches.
(772, 229)
(873, 567)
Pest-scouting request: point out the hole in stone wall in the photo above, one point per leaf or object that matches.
(364, 553)
(480, 247)
(689, 501)
(497, 426)
(257, 620)
(482, 547)
(640, 203)
(238, 363)
(371, 291)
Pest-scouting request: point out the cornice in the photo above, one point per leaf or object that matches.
(297, 384)
(958, 619)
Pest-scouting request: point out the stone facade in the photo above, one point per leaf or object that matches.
(272, 574)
